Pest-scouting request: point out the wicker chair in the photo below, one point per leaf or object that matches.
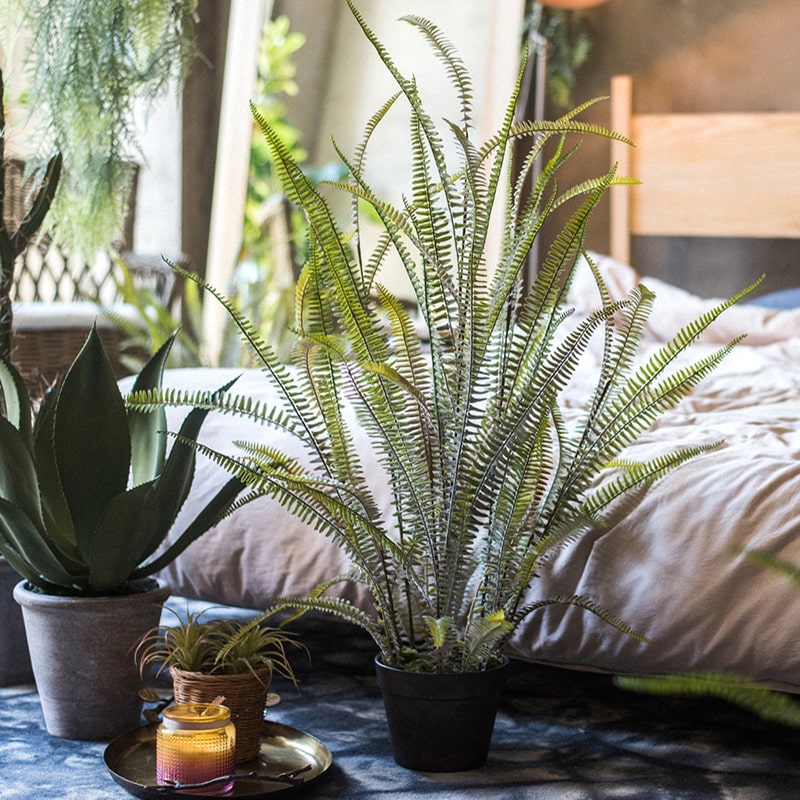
(57, 298)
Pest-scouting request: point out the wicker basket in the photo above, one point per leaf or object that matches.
(245, 695)
(48, 336)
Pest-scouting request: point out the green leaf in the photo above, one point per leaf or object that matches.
(28, 551)
(16, 401)
(91, 440)
(211, 513)
(56, 513)
(117, 545)
(18, 473)
(175, 481)
(441, 630)
(762, 701)
(32, 221)
(148, 428)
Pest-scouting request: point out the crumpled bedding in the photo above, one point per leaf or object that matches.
(669, 563)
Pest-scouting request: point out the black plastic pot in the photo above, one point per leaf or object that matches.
(440, 722)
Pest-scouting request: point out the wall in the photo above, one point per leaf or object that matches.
(699, 55)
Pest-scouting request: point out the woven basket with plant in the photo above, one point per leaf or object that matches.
(204, 667)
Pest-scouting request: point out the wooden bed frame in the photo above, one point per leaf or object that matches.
(724, 174)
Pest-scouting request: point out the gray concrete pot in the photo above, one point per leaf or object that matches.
(15, 663)
(82, 654)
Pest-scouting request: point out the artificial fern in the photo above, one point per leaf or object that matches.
(488, 477)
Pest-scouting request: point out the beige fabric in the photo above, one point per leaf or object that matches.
(668, 563)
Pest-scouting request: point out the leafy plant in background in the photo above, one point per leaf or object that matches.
(489, 476)
(273, 240)
(275, 77)
(570, 42)
(155, 322)
(87, 64)
(261, 289)
(88, 492)
(766, 703)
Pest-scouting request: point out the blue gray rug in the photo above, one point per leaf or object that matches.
(559, 736)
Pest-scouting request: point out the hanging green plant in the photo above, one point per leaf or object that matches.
(88, 64)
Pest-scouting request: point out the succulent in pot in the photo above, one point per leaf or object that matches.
(88, 493)
(227, 658)
(489, 475)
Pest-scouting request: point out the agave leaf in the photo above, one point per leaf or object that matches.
(116, 547)
(20, 537)
(20, 564)
(148, 428)
(212, 512)
(57, 517)
(175, 481)
(18, 473)
(16, 401)
(91, 441)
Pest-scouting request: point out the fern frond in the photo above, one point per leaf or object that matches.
(766, 703)
(483, 638)
(456, 71)
(336, 606)
(779, 565)
(587, 605)
(642, 474)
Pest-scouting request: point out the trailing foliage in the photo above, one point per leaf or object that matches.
(88, 62)
(489, 478)
(88, 492)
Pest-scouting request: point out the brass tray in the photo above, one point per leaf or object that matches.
(289, 760)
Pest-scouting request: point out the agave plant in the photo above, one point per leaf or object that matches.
(489, 478)
(70, 523)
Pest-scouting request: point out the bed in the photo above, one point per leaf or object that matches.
(670, 561)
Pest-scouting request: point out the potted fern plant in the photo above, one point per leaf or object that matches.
(489, 477)
(203, 667)
(88, 494)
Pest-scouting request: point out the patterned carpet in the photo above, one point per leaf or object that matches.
(559, 736)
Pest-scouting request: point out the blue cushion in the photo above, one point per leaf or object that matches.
(785, 298)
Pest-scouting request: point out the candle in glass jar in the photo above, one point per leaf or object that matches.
(196, 743)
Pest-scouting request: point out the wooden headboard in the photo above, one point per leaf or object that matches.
(727, 174)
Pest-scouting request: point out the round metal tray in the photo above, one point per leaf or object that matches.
(289, 760)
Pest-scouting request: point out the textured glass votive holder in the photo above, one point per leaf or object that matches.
(196, 743)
